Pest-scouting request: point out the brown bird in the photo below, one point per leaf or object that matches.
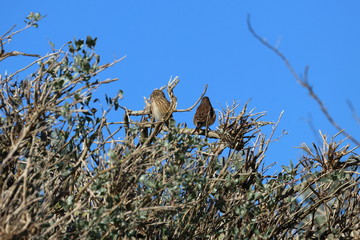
(160, 106)
(205, 114)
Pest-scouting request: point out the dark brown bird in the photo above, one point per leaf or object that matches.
(205, 114)
(160, 106)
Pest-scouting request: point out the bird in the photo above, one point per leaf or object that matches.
(159, 106)
(205, 114)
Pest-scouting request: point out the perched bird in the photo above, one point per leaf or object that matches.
(160, 106)
(205, 114)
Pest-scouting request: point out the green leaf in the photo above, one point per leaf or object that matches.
(90, 42)
(79, 44)
(69, 200)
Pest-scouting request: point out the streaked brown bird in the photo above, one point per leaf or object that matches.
(160, 106)
(205, 114)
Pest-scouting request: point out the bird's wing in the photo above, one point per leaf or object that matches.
(202, 113)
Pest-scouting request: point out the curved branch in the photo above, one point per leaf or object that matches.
(147, 110)
(196, 103)
(303, 82)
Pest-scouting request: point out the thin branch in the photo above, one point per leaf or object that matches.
(196, 103)
(147, 110)
(3, 36)
(303, 82)
(353, 111)
(34, 62)
(16, 53)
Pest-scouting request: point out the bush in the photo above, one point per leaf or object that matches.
(66, 175)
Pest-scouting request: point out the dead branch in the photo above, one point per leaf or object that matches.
(146, 111)
(16, 53)
(303, 82)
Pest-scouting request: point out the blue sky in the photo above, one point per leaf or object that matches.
(207, 42)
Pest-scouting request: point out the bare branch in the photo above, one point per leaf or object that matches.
(303, 82)
(146, 111)
(196, 103)
(16, 53)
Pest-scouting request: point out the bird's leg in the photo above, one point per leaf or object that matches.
(195, 130)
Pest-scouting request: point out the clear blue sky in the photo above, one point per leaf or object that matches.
(207, 42)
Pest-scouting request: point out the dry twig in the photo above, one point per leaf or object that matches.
(303, 82)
